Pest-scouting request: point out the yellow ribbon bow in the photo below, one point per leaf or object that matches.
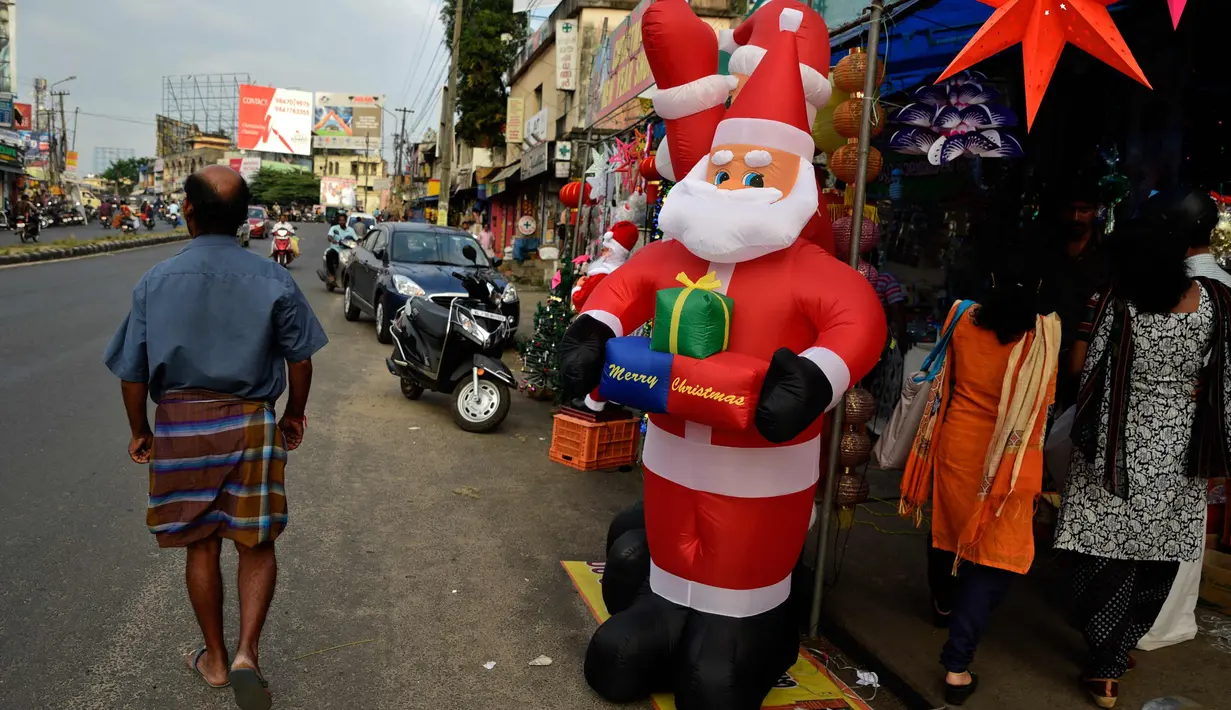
(709, 282)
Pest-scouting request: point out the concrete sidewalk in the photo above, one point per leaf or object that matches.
(1030, 657)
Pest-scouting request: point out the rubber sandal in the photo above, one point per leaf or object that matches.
(959, 694)
(1103, 691)
(251, 690)
(194, 663)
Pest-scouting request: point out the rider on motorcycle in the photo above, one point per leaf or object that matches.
(27, 212)
(341, 231)
(280, 224)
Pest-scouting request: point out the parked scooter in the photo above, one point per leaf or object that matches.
(455, 349)
(283, 253)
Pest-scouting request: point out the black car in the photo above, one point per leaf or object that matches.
(398, 260)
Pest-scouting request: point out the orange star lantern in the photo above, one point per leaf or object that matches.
(1043, 27)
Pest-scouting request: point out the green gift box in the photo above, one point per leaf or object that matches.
(693, 321)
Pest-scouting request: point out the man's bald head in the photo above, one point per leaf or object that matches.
(215, 201)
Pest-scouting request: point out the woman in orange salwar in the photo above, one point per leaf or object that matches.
(979, 455)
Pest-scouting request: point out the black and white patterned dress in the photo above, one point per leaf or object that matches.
(1163, 518)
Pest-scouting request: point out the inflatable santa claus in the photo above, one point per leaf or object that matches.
(695, 95)
(732, 448)
(617, 246)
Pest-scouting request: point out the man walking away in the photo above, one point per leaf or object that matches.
(209, 338)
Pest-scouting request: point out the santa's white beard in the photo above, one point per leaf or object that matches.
(729, 226)
(605, 264)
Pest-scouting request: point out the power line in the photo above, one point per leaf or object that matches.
(423, 43)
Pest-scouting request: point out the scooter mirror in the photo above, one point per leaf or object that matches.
(470, 253)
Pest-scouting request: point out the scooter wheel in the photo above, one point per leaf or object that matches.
(482, 411)
(410, 389)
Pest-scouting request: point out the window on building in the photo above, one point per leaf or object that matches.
(538, 98)
(354, 169)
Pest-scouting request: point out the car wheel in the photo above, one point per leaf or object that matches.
(480, 411)
(349, 310)
(383, 335)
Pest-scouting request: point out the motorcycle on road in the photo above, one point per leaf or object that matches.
(455, 349)
(283, 250)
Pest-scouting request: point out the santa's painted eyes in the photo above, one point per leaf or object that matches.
(754, 180)
(721, 177)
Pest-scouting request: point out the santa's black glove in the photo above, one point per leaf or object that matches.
(582, 353)
(794, 394)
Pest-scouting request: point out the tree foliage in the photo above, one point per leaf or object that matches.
(125, 172)
(491, 37)
(285, 187)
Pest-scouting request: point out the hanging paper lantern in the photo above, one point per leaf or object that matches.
(823, 134)
(651, 193)
(849, 74)
(842, 232)
(647, 169)
(570, 194)
(860, 406)
(852, 489)
(869, 272)
(847, 116)
(845, 161)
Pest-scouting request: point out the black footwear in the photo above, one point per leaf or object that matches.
(959, 694)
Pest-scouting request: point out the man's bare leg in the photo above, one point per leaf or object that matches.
(258, 575)
(204, 578)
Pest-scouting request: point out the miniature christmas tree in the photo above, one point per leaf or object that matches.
(541, 352)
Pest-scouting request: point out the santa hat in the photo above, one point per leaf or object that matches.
(770, 110)
(622, 238)
(748, 43)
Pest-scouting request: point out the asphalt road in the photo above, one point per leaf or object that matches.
(380, 549)
(92, 230)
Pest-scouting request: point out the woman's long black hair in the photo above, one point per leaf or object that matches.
(1019, 290)
(1147, 253)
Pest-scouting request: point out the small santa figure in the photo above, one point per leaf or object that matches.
(617, 246)
(727, 510)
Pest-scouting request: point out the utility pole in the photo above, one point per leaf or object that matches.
(399, 145)
(63, 131)
(76, 114)
(450, 105)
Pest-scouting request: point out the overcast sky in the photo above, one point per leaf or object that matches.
(119, 51)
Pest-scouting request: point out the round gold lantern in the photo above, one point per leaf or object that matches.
(860, 406)
(849, 73)
(852, 489)
(849, 113)
(844, 163)
(855, 448)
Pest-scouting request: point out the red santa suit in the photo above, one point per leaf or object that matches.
(727, 511)
(618, 243)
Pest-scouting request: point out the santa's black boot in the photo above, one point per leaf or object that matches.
(629, 657)
(731, 663)
(630, 518)
(627, 570)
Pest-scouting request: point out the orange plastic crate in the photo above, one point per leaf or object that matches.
(589, 446)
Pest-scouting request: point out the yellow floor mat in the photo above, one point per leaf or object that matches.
(807, 686)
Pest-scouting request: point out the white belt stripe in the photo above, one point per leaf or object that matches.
(739, 472)
(738, 603)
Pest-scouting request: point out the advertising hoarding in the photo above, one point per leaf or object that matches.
(536, 128)
(172, 137)
(275, 120)
(26, 112)
(347, 121)
(568, 54)
(8, 53)
(338, 192)
(249, 167)
(6, 110)
(621, 70)
(514, 121)
(70, 164)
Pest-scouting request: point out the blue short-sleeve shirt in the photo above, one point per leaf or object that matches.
(217, 317)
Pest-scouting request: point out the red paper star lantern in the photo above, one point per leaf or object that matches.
(1177, 9)
(1043, 27)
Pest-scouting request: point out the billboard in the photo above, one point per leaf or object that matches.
(6, 110)
(515, 121)
(26, 113)
(347, 121)
(568, 50)
(70, 164)
(338, 192)
(8, 53)
(275, 120)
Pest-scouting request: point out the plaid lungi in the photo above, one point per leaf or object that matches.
(218, 468)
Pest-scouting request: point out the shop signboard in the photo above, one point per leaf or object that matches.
(527, 225)
(534, 162)
(347, 121)
(563, 150)
(495, 188)
(621, 70)
(515, 121)
(562, 168)
(275, 120)
(249, 167)
(338, 192)
(26, 121)
(6, 109)
(536, 128)
(159, 166)
(568, 54)
(70, 164)
(9, 154)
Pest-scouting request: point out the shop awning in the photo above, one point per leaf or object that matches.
(506, 173)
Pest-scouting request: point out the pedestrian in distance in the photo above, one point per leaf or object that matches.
(213, 336)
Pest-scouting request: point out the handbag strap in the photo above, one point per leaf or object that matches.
(936, 359)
